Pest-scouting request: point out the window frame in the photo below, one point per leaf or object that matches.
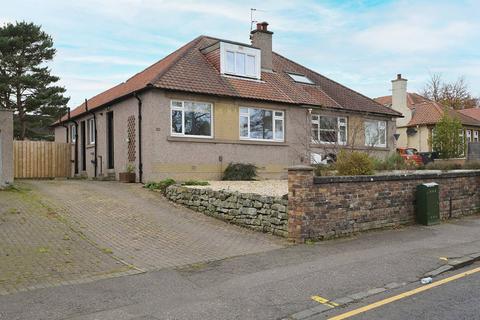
(91, 131)
(468, 135)
(238, 50)
(475, 135)
(73, 133)
(377, 122)
(300, 78)
(274, 117)
(182, 109)
(336, 130)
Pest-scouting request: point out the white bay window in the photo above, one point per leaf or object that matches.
(329, 129)
(261, 124)
(375, 133)
(191, 119)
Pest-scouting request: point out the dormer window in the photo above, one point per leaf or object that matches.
(300, 78)
(239, 60)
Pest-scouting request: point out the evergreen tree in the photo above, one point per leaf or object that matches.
(446, 138)
(26, 85)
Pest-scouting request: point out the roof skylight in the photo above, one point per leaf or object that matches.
(300, 78)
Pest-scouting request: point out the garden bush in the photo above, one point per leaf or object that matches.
(354, 163)
(444, 166)
(195, 183)
(162, 185)
(240, 171)
(324, 169)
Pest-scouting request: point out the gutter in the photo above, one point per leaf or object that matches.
(96, 140)
(140, 163)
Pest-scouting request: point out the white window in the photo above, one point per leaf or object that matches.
(300, 78)
(73, 133)
(475, 136)
(91, 131)
(375, 133)
(191, 119)
(239, 60)
(469, 135)
(329, 129)
(262, 124)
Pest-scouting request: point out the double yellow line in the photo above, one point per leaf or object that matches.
(404, 295)
(325, 301)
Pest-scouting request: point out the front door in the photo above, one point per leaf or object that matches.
(110, 140)
(84, 146)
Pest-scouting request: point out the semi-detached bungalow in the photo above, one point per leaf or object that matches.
(215, 101)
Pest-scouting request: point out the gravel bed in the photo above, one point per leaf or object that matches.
(276, 188)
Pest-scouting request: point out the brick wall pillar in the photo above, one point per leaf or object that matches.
(300, 183)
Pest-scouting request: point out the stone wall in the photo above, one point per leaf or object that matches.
(261, 213)
(326, 207)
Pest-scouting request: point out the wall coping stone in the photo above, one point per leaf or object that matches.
(396, 177)
(300, 168)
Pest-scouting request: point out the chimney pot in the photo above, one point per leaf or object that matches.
(399, 76)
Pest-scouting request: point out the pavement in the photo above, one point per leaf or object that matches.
(276, 282)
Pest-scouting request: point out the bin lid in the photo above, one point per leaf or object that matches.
(430, 184)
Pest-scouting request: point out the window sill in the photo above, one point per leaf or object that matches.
(345, 146)
(219, 141)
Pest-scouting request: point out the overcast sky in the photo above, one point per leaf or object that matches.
(361, 44)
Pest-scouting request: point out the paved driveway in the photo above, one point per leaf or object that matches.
(73, 231)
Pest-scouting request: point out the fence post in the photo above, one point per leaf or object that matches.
(300, 185)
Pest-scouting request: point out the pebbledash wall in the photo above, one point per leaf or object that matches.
(327, 207)
(261, 213)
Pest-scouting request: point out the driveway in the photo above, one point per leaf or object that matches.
(109, 228)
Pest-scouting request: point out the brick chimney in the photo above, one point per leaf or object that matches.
(399, 99)
(262, 39)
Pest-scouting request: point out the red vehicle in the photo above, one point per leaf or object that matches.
(410, 154)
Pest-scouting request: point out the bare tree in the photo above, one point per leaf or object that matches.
(455, 94)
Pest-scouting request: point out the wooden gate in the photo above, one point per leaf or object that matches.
(41, 159)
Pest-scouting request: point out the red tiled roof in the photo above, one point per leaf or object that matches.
(471, 112)
(431, 112)
(412, 99)
(188, 69)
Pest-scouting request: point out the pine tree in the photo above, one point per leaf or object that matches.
(26, 85)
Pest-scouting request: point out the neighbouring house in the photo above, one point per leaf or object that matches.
(471, 112)
(6, 147)
(420, 115)
(216, 101)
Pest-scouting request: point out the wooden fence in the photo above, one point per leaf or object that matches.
(42, 159)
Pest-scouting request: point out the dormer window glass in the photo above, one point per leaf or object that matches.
(237, 60)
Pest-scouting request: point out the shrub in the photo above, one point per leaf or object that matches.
(393, 162)
(354, 163)
(472, 165)
(162, 185)
(323, 169)
(444, 166)
(240, 171)
(195, 183)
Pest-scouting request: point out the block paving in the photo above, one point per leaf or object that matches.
(55, 232)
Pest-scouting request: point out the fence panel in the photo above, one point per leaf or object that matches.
(41, 159)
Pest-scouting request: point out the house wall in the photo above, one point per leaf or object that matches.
(420, 140)
(182, 158)
(356, 135)
(6, 147)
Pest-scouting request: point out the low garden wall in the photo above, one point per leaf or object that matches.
(261, 213)
(326, 207)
